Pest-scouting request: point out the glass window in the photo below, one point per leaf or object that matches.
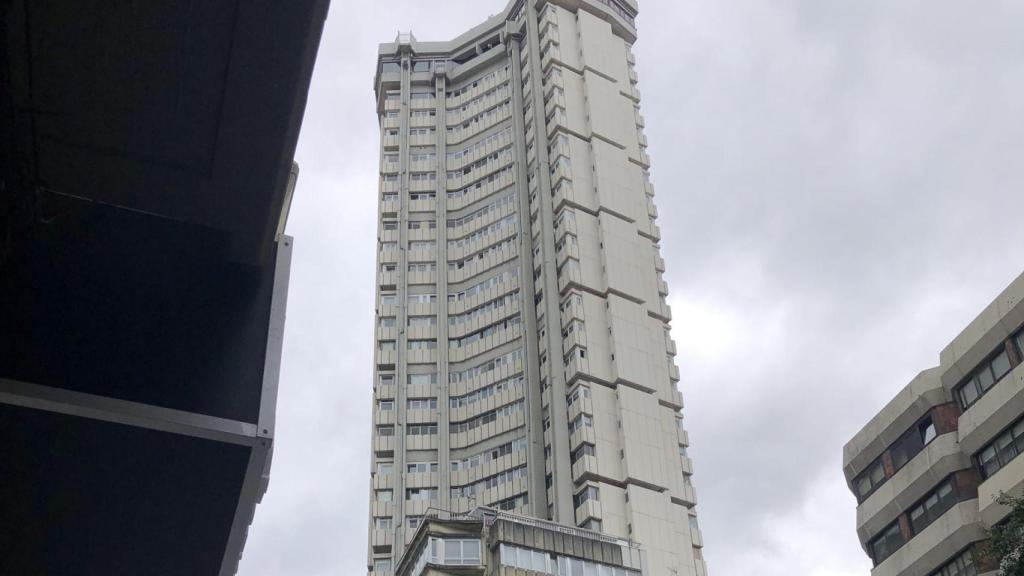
(886, 543)
(927, 431)
(384, 495)
(1001, 450)
(383, 565)
(388, 67)
(933, 506)
(983, 378)
(1020, 343)
(385, 468)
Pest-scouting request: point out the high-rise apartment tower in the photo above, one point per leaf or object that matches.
(523, 359)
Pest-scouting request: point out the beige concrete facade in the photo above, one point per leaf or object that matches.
(523, 357)
(927, 469)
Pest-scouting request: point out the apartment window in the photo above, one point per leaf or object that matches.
(932, 506)
(422, 245)
(462, 552)
(422, 95)
(414, 521)
(869, 480)
(983, 378)
(588, 493)
(422, 321)
(388, 300)
(387, 379)
(386, 345)
(385, 468)
(422, 267)
(421, 429)
(883, 545)
(422, 404)
(388, 267)
(961, 565)
(422, 298)
(385, 430)
(998, 453)
(422, 344)
(383, 495)
(912, 442)
(421, 494)
(421, 467)
(423, 379)
(388, 246)
(390, 225)
(386, 322)
(388, 67)
(383, 566)
(386, 405)
(383, 523)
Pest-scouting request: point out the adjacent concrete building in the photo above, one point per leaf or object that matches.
(523, 359)
(927, 469)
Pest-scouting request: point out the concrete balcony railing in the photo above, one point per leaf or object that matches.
(673, 372)
(385, 392)
(583, 406)
(686, 464)
(941, 540)
(659, 263)
(553, 54)
(940, 458)
(384, 443)
(575, 368)
(688, 495)
(388, 278)
(381, 538)
(584, 435)
(587, 510)
(696, 538)
(386, 357)
(384, 416)
(586, 465)
(421, 479)
(383, 481)
(382, 509)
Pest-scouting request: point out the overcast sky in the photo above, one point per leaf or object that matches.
(839, 187)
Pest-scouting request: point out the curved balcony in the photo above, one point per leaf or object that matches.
(940, 458)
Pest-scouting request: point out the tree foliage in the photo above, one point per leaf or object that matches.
(1005, 547)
